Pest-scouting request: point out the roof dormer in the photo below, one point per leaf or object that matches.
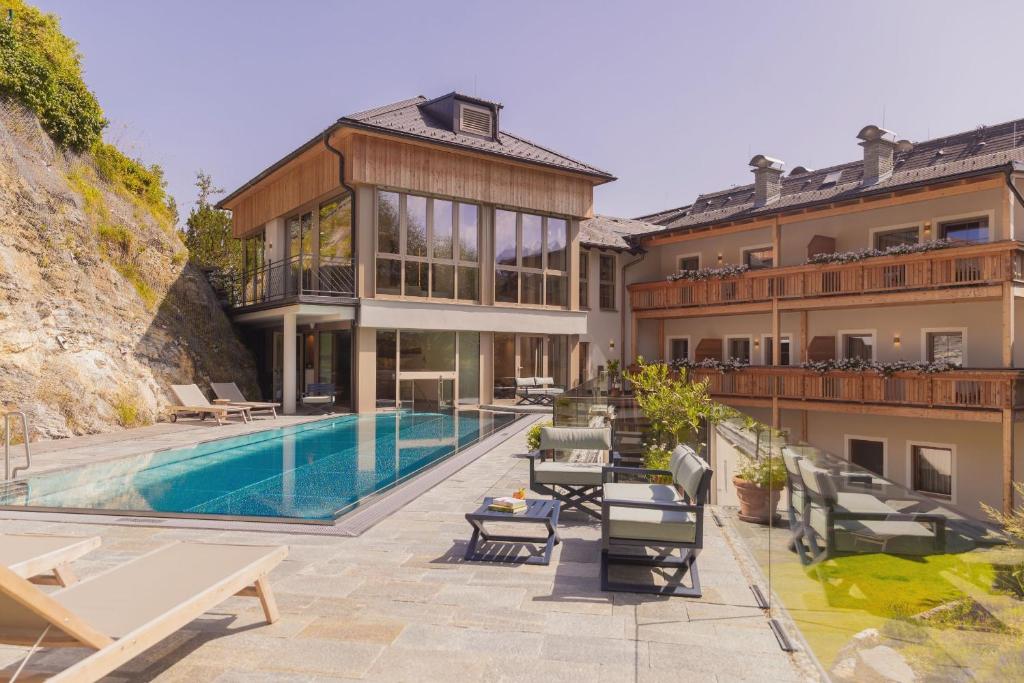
(464, 115)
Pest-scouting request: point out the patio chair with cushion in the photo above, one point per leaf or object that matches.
(192, 400)
(664, 517)
(320, 396)
(44, 559)
(122, 612)
(796, 500)
(841, 522)
(576, 478)
(230, 393)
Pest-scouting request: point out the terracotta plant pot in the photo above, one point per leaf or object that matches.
(756, 504)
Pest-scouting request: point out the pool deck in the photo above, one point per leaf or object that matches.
(398, 603)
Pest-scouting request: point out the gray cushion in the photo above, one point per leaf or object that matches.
(573, 438)
(823, 486)
(792, 460)
(689, 471)
(660, 493)
(545, 380)
(864, 536)
(567, 473)
(526, 381)
(652, 525)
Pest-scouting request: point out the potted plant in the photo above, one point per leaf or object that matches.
(613, 378)
(759, 479)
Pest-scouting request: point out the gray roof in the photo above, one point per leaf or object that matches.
(409, 118)
(984, 149)
(608, 232)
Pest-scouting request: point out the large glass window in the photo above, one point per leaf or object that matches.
(679, 349)
(336, 229)
(469, 368)
(606, 294)
(416, 252)
(869, 454)
(933, 470)
(739, 348)
(859, 345)
(584, 281)
(421, 350)
(531, 257)
(387, 378)
(757, 258)
(974, 230)
(895, 238)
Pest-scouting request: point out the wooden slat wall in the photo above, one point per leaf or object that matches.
(301, 181)
(381, 161)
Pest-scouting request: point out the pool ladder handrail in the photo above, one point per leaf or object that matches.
(8, 420)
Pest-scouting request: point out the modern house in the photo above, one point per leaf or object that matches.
(415, 254)
(796, 285)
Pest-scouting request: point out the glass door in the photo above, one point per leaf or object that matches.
(426, 391)
(531, 356)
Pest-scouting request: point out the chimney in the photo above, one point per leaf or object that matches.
(879, 150)
(767, 179)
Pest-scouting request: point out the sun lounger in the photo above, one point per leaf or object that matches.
(229, 391)
(192, 400)
(124, 611)
(44, 559)
(320, 396)
(537, 390)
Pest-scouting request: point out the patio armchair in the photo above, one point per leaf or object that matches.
(796, 501)
(576, 484)
(319, 396)
(838, 522)
(664, 517)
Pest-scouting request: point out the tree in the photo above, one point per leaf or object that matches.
(208, 232)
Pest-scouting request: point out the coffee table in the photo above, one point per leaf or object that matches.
(537, 512)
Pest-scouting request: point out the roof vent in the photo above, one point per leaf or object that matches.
(832, 178)
(879, 150)
(476, 120)
(767, 179)
(800, 170)
(904, 146)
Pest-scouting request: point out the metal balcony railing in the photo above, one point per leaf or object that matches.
(296, 278)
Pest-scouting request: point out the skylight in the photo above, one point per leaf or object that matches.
(832, 178)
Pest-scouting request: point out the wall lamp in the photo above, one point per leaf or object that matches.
(896, 340)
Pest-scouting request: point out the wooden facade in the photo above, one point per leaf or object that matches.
(380, 160)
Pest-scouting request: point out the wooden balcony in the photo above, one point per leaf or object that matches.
(957, 267)
(966, 390)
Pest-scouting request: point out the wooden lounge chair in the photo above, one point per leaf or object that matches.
(126, 610)
(660, 516)
(229, 391)
(192, 400)
(576, 484)
(44, 559)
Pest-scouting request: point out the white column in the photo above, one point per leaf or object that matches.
(288, 364)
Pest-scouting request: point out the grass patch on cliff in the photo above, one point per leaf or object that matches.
(128, 411)
(118, 244)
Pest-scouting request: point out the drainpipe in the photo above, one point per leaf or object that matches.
(353, 387)
(622, 307)
(1013, 188)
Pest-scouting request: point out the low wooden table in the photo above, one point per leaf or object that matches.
(538, 511)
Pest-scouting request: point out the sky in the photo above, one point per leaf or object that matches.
(673, 98)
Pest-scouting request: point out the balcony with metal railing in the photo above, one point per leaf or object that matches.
(294, 280)
(956, 267)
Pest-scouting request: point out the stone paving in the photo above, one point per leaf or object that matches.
(399, 604)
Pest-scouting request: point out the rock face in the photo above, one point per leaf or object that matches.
(90, 340)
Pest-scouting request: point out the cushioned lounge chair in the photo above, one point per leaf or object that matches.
(319, 396)
(126, 610)
(838, 522)
(44, 559)
(537, 390)
(229, 391)
(192, 400)
(659, 516)
(576, 484)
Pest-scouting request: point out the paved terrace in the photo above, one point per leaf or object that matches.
(398, 603)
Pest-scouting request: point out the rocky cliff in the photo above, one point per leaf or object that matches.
(99, 309)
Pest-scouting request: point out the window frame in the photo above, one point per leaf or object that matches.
(744, 251)
(681, 257)
(786, 338)
(584, 280)
(729, 337)
(677, 337)
(614, 282)
(884, 440)
(942, 222)
(873, 233)
(952, 497)
(925, 331)
(841, 346)
(544, 271)
(403, 257)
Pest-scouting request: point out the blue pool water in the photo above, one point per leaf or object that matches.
(311, 472)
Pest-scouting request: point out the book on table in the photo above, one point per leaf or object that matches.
(507, 504)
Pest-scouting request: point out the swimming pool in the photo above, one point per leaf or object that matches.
(305, 473)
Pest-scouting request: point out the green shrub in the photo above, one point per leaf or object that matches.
(143, 184)
(41, 67)
(127, 411)
(533, 435)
